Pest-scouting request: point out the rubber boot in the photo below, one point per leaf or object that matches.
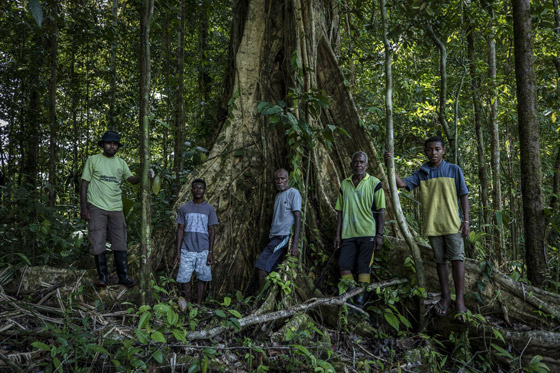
(101, 265)
(360, 300)
(121, 263)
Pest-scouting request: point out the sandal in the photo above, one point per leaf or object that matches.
(440, 309)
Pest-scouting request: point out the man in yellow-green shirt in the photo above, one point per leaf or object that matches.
(361, 217)
(101, 206)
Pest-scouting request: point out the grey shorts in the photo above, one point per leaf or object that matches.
(106, 226)
(448, 248)
(193, 261)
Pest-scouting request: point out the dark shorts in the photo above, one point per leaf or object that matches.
(272, 254)
(356, 255)
(106, 226)
(449, 247)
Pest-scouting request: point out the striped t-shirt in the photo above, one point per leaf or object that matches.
(357, 205)
(440, 189)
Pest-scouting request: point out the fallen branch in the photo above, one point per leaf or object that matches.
(282, 314)
(10, 363)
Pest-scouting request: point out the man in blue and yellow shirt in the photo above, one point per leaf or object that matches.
(442, 186)
(361, 217)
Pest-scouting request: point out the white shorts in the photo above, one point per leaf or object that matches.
(193, 261)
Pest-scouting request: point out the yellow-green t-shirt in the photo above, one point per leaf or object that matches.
(357, 205)
(105, 175)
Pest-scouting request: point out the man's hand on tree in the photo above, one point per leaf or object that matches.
(209, 258)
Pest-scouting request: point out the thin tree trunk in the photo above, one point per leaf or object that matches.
(179, 111)
(52, 104)
(145, 192)
(348, 15)
(495, 144)
(556, 60)
(31, 129)
(512, 195)
(204, 79)
(443, 90)
(113, 66)
(531, 173)
(482, 172)
(168, 89)
(73, 108)
(391, 165)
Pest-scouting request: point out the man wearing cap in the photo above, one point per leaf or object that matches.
(101, 206)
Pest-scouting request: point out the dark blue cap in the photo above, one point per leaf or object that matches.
(110, 136)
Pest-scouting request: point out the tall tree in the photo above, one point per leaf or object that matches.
(179, 98)
(494, 139)
(443, 89)
(113, 64)
(531, 173)
(145, 192)
(480, 149)
(403, 225)
(52, 101)
(269, 38)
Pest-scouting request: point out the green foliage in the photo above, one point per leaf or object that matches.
(42, 234)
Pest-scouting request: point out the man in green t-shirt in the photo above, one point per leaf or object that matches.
(361, 217)
(101, 206)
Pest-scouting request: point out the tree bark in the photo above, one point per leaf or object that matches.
(53, 126)
(495, 159)
(247, 150)
(168, 88)
(443, 89)
(482, 172)
(531, 174)
(403, 225)
(179, 109)
(556, 60)
(145, 192)
(113, 66)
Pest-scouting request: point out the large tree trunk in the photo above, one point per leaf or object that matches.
(531, 174)
(247, 150)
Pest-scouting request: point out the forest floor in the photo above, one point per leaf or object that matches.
(54, 319)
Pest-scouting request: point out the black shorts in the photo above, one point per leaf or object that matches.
(272, 254)
(356, 255)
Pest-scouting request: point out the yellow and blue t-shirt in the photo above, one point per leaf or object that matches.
(358, 204)
(105, 175)
(440, 189)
